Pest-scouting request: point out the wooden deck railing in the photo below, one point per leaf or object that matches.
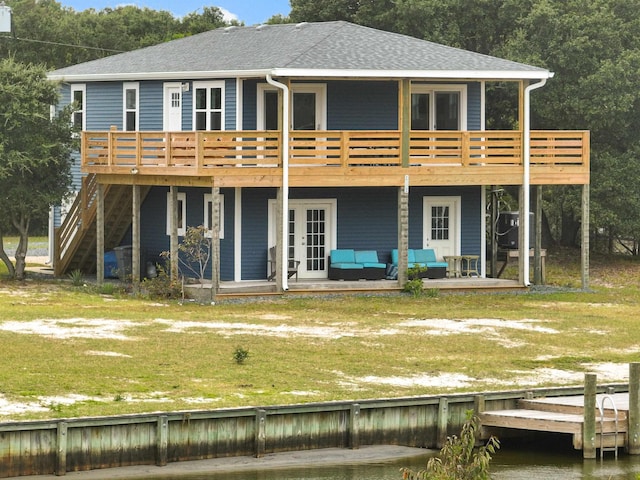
(220, 152)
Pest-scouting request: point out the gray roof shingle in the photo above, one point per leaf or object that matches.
(309, 49)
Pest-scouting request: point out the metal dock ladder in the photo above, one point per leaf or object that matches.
(614, 434)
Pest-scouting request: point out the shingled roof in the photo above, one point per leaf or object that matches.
(327, 49)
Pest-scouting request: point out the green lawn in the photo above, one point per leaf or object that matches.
(69, 351)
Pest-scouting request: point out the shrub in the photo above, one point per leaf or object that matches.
(459, 459)
(77, 278)
(240, 355)
(162, 286)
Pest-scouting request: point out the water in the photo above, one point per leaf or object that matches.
(511, 465)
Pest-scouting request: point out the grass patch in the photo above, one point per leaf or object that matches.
(76, 351)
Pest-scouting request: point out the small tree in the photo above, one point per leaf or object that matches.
(35, 154)
(194, 253)
(459, 459)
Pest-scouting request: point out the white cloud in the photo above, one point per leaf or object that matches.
(227, 16)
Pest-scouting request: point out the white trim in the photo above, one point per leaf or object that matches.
(125, 87)
(80, 87)
(261, 88)
(311, 73)
(434, 88)
(237, 235)
(209, 85)
(182, 198)
(208, 201)
(483, 107)
(166, 101)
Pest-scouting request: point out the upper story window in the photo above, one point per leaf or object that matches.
(208, 105)
(131, 102)
(438, 107)
(78, 94)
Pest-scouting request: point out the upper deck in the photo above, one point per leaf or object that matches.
(337, 158)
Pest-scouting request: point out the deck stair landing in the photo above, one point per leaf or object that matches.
(565, 415)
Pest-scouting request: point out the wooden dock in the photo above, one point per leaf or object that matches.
(566, 415)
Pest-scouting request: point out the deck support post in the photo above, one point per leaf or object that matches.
(403, 235)
(537, 253)
(585, 237)
(354, 426)
(135, 238)
(589, 428)
(100, 234)
(173, 230)
(215, 241)
(261, 432)
(443, 420)
(523, 252)
(493, 232)
(633, 441)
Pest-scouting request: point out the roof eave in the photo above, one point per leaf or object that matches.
(315, 73)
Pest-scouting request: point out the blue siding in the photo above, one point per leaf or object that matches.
(474, 106)
(151, 106)
(65, 95)
(249, 104)
(255, 209)
(230, 104)
(187, 109)
(153, 224)
(362, 105)
(104, 105)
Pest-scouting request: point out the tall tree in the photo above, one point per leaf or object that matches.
(34, 153)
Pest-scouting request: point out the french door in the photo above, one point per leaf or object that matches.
(310, 235)
(441, 229)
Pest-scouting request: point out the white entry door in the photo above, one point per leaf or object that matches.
(442, 225)
(172, 107)
(311, 235)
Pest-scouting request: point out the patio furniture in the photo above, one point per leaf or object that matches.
(292, 266)
(454, 265)
(425, 257)
(470, 265)
(349, 264)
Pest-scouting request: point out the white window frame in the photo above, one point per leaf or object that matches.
(208, 206)
(432, 89)
(208, 110)
(136, 87)
(80, 87)
(182, 217)
(320, 89)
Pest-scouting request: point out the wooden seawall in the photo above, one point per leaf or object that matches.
(67, 445)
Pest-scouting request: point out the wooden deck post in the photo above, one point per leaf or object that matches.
(633, 442)
(403, 235)
(135, 238)
(537, 257)
(215, 241)
(585, 237)
(100, 234)
(589, 428)
(173, 230)
(493, 232)
(523, 216)
(162, 438)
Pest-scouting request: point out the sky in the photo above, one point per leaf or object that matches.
(250, 12)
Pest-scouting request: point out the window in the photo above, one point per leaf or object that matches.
(78, 94)
(208, 106)
(130, 106)
(438, 107)
(208, 214)
(182, 213)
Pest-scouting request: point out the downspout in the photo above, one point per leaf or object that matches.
(526, 181)
(284, 241)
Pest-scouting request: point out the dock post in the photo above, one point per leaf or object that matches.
(354, 426)
(633, 441)
(61, 454)
(261, 432)
(162, 438)
(443, 418)
(589, 428)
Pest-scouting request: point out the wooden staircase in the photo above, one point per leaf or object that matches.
(564, 415)
(75, 239)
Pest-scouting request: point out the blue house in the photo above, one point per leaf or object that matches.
(296, 140)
